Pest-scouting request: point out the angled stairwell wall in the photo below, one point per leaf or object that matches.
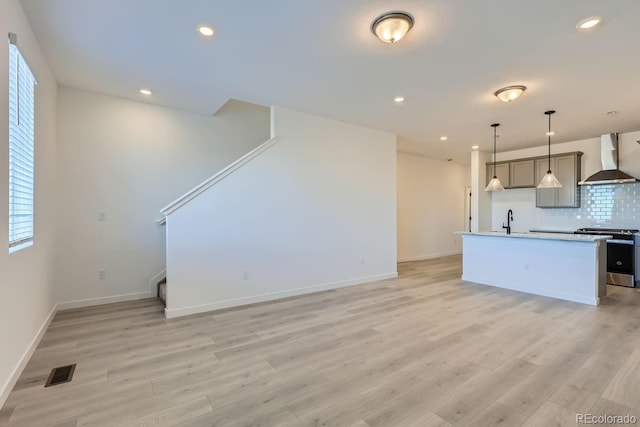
(316, 209)
(125, 159)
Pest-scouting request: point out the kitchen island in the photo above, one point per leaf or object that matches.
(571, 267)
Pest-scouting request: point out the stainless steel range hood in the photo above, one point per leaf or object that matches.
(610, 174)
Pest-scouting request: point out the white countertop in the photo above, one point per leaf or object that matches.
(543, 236)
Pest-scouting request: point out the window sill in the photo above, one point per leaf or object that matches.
(24, 245)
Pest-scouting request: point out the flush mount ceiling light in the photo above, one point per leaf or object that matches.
(549, 180)
(510, 93)
(392, 26)
(494, 184)
(588, 23)
(398, 99)
(206, 31)
(443, 138)
(475, 147)
(145, 92)
(612, 113)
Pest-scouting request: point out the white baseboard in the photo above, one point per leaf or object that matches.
(533, 290)
(26, 356)
(218, 305)
(430, 256)
(104, 300)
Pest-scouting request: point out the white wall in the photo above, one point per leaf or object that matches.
(26, 285)
(480, 199)
(128, 160)
(317, 210)
(624, 200)
(431, 200)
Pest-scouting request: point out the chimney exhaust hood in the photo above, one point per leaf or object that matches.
(610, 174)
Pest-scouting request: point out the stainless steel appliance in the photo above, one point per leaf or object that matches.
(621, 254)
(610, 173)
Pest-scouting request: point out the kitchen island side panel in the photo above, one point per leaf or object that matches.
(563, 269)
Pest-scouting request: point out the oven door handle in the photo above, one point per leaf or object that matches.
(621, 242)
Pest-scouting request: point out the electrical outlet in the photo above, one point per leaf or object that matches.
(102, 216)
(102, 274)
(245, 276)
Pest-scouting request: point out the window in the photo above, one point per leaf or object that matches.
(21, 148)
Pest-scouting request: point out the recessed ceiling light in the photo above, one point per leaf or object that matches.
(588, 23)
(612, 113)
(398, 99)
(146, 92)
(475, 147)
(206, 31)
(392, 26)
(510, 93)
(443, 138)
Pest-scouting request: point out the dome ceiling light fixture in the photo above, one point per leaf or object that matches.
(510, 93)
(392, 26)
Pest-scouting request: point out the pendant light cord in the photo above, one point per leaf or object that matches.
(494, 152)
(549, 135)
(495, 133)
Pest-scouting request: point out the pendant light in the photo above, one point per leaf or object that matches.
(549, 180)
(494, 184)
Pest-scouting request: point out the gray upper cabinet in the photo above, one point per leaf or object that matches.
(527, 173)
(545, 197)
(522, 174)
(568, 171)
(502, 172)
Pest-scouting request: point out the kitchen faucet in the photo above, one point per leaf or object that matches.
(509, 219)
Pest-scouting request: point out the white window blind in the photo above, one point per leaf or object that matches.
(21, 147)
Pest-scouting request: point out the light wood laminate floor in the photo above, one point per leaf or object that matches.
(425, 349)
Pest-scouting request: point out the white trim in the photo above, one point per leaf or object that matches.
(67, 305)
(195, 309)
(532, 290)
(155, 279)
(184, 199)
(425, 257)
(15, 375)
(153, 282)
(23, 245)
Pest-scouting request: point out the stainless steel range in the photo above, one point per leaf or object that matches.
(622, 254)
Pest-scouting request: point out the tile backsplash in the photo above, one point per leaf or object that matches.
(606, 206)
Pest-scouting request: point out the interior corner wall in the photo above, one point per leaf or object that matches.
(480, 199)
(26, 284)
(126, 160)
(317, 210)
(431, 202)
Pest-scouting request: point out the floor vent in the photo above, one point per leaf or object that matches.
(60, 375)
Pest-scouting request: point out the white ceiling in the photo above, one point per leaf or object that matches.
(320, 57)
